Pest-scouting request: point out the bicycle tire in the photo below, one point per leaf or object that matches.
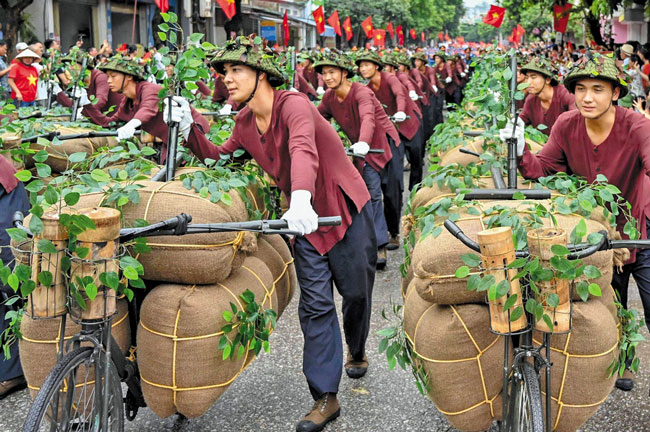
(39, 417)
(525, 410)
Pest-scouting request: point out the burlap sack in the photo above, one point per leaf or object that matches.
(181, 366)
(10, 141)
(435, 260)
(274, 252)
(39, 345)
(58, 154)
(476, 145)
(193, 258)
(580, 381)
(462, 358)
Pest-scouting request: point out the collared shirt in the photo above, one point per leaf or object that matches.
(624, 158)
(98, 87)
(534, 115)
(300, 150)
(362, 118)
(393, 95)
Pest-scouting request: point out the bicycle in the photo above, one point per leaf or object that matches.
(83, 391)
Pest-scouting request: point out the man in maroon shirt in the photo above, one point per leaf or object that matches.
(303, 154)
(356, 109)
(96, 85)
(547, 98)
(13, 198)
(140, 105)
(602, 138)
(306, 68)
(426, 78)
(393, 96)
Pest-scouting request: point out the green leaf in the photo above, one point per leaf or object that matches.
(227, 315)
(594, 238)
(41, 156)
(592, 272)
(579, 231)
(24, 175)
(594, 290)
(43, 170)
(516, 313)
(560, 250)
(462, 272)
(510, 302)
(473, 282)
(77, 157)
(100, 176)
(162, 36)
(519, 262)
(91, 291)
(553, 300)
(471, 259)
(486, 283)
(35, 224)
(51, 195)
(35, 186)
(72, 198)
(587, 206)
(45, 278)
(46, 246)
(549, 322)
(110, 279)
(130, 273)
(226, 352)
(17, 234)
(518, 196)
(583, 291)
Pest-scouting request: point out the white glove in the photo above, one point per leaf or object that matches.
(226, 110)
(194, 91)
(293, 89)
(435, 89)
(79, 112)
(466, 70)
(181, 114)
(128, 130)
(81, 94)
(360, 149)
(462, 74)
(56, 88)
(399, 117)
(301, 216)
(519, 134)
(320, 91)
(413, 95)
(448, 80)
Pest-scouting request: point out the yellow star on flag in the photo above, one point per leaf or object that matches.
(495, 15)
(32, 79)
(320, 20)
(230, 1)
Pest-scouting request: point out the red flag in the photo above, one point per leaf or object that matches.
(517, 33)
(367, 27)
(228, 7)
(495, 15)
(422, 36)
(285, 28)
(319, 17)
(163, 5)
(390, 30)
(347, 25)
(413, 34)
(400, 35)
(447, 38)
(333, 20)
(561, 17)
(379, 38)
(440, 36)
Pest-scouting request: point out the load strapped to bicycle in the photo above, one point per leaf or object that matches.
(550, 361)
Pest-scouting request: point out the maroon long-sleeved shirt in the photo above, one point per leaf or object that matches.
(424, 84)
(411, 85)
(362, 118)
(312, 77)
(144, 108)
(624, 158)
(7, 178)
(393, 95)
(98, 87)
(220, 93)
(203, 88)
(534, 115)
(303, 86)
(444, 71)
(300, 151)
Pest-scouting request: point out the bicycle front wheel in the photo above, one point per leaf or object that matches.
(525, 413)
(70, 400)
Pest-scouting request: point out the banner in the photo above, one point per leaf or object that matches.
(367, 27)
(333, 21)
(228, 6)
(379, 38)
(561, 17)
(347, 26)
(319, 18)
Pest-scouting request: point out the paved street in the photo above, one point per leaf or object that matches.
(271, 395)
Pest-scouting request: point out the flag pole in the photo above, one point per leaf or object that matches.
(135, 11)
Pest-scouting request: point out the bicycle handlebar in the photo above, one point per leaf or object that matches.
(506, 194)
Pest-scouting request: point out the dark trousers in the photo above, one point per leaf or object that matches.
(373, 183)
(10, 203)
(392, 185)
(640, 269)
(428, 115)
(350, 264)
(438, 101)
(415, 151)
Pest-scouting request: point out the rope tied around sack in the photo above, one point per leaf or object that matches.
(486, 398)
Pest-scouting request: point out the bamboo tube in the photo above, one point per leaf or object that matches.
(497, 251)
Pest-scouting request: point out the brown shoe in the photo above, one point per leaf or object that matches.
(11, 386)
(381, 259)
(393, 242)
(324, 411)
(356, 368)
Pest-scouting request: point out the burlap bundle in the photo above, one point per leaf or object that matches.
(461, 357)
(274, 252)
(435, 260)
(10, 141)
(181, 366)
(39, 344)
(580, 381)
(58, 154)
(189, 259)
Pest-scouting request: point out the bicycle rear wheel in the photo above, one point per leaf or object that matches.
(525, 413)
(68, 399)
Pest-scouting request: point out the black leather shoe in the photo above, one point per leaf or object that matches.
(625, 384)
(11, 386)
